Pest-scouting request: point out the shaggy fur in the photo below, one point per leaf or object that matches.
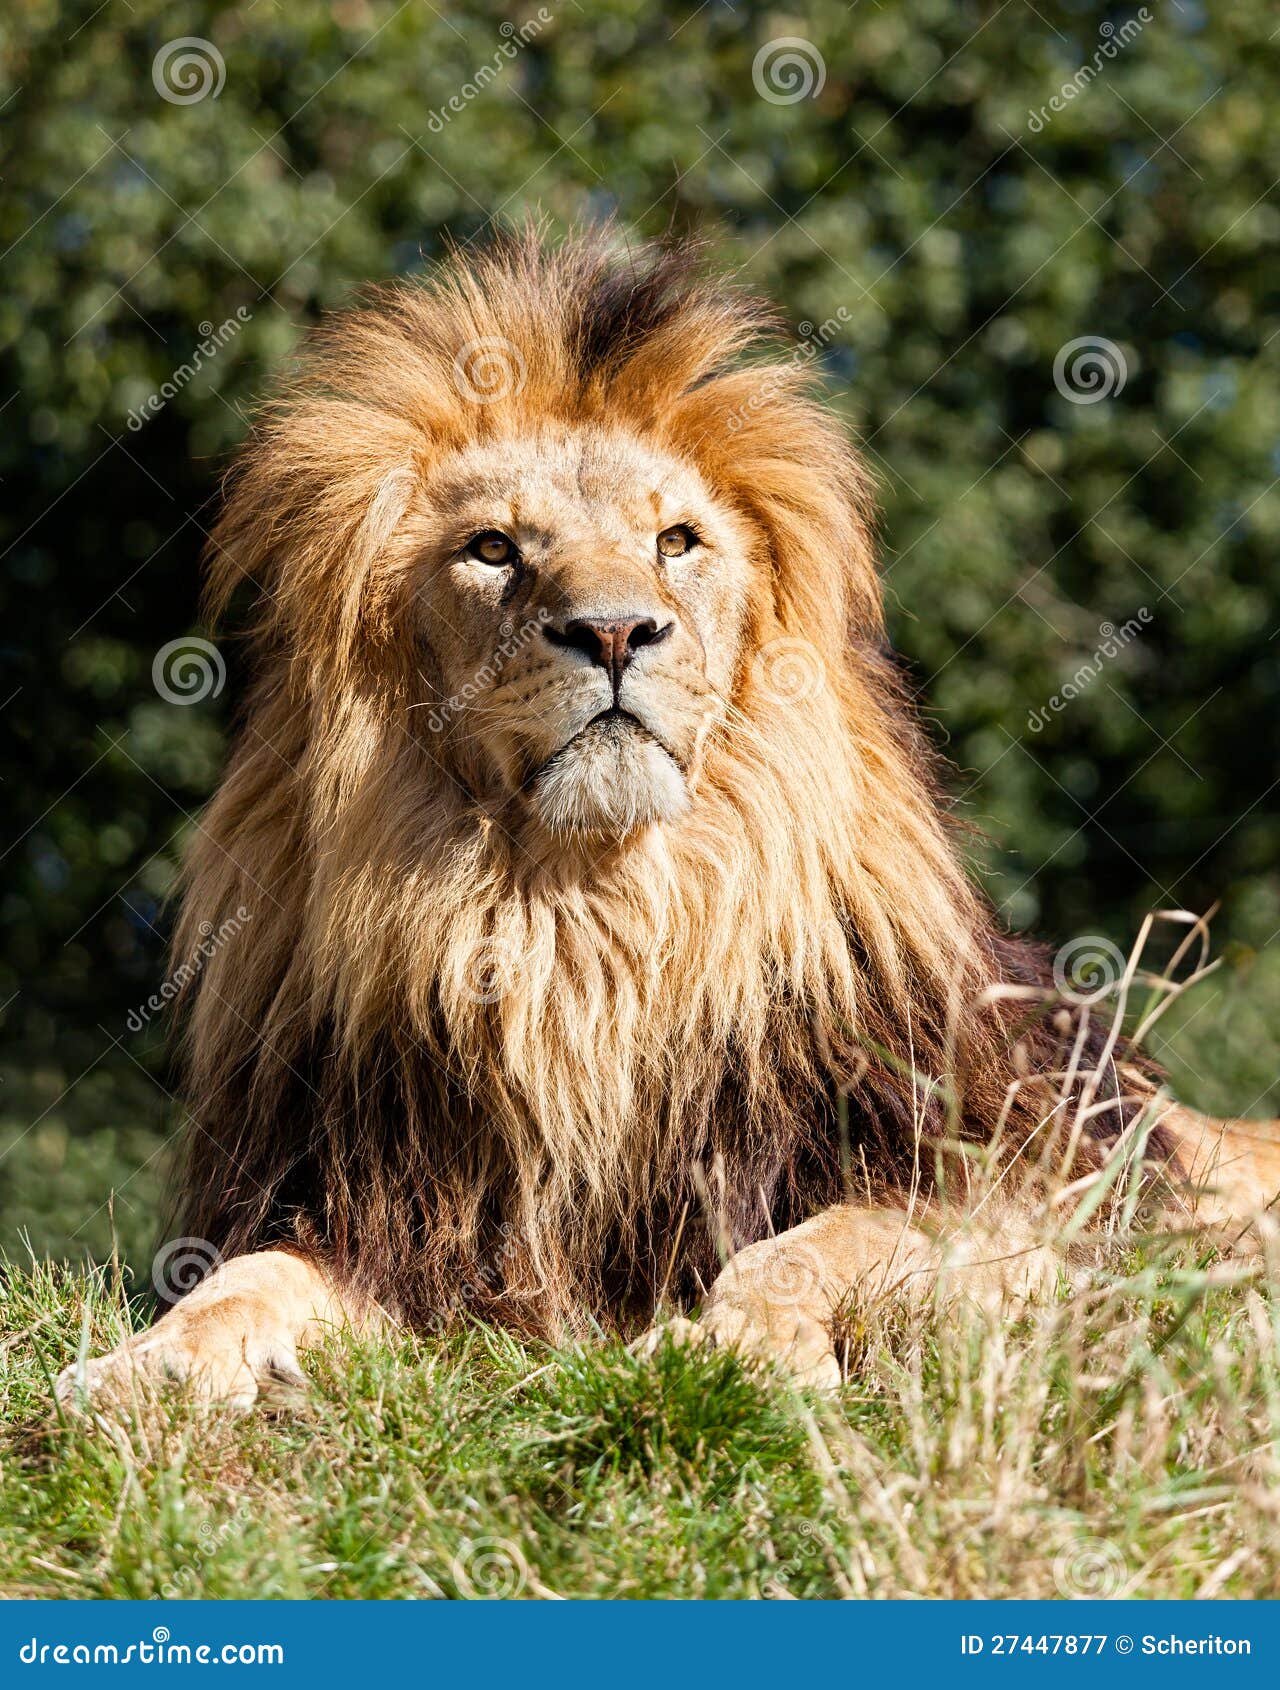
(709, 1032)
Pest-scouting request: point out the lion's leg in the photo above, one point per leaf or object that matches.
(1231, 1169)
(238, 1331)
(777, 1299)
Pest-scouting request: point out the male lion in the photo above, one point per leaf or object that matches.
(606, 943)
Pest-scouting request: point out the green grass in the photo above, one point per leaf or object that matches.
(1123, 1440)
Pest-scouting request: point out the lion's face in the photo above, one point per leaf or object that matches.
(584, 601)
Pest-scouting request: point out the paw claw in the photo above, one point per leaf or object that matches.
(221, 1364)
(677, 1330)
(801, 1347)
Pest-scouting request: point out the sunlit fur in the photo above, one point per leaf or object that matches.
(713, 1027)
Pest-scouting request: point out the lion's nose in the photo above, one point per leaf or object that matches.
(610, 643)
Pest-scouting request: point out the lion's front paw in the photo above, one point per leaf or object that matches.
(215, 1354)
(792, 1341)
(675, 1329)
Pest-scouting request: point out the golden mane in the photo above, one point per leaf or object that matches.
(469, 1073)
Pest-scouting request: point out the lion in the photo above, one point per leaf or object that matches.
(604, 948)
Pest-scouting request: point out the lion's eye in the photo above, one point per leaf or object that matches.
(493, 547)
(675, 542)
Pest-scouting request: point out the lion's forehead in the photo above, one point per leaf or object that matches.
(578, 478)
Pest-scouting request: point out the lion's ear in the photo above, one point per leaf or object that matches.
(310, 509)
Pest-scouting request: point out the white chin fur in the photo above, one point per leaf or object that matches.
(612, 779)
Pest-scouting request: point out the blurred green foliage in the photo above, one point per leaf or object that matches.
(960, 247)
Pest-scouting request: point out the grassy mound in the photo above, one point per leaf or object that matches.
(1124, 1440)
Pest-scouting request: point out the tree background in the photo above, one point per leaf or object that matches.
(918, 190)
